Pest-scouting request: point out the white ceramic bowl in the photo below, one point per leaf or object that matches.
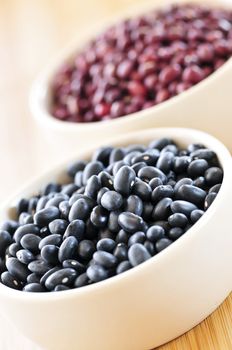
(206, 106)
(150, 304)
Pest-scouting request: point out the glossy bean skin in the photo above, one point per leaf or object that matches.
(138, 254)
(123, 213)
(124, 180)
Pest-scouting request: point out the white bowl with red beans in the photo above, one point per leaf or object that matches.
(152, 66)
(164, 286)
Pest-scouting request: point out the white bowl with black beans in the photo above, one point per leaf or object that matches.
(124, 247)
(140, 75)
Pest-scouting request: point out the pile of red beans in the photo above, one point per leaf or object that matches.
(141, 62)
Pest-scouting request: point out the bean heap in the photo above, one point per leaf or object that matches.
(116, 211)
(141, 62)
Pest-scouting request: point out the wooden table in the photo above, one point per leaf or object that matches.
(30, 33)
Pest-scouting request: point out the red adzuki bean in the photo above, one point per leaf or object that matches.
(141, 62)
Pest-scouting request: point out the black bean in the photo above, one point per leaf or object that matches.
(149, 158)
(192, 194)
(102, 154)
(183, 207)
(91, 231)
(213, 176)
(149, 172)
(47, 274)
(49, 253)
(215, 188)
(34, 287)
(137, 166)
(25, 218)
(51, 188)
(150, 247)
(23, 230)
(32, 204)
(155, 182)
(92, 168)
(131, 222)
(162, 209)
(13, 248)
(33, 278)
(118, 165)
(60, 287)
(124, 180)
(106, 244)
(165, 162)
(17, 269)
(54, 239)
(92, 187)
(200, 182)
(175, 233)
(74, 264)
(196, 215)
(194, 146)
(160, 143)
(162, 243)
(181, 164)
(30, 242)
(128, 159)
(147, 210)
(122, 237)
(99, 216)
(39, 267)
(41, 203)
(69, 189)
(81, 281)
(25, 256)
(96, 273)
(78, 179)
(197, 167)
(209, 200)
(45, 216)
(68, 249)
(123, 266)
(204, 153)
(9, 226)
(11, 281)
(76, 228)
(22, 206)
(138, 237)
(111, 200)
(100, 194)
(56, 200)
(178, 220)
(64, 208)
(5, 241)
(134, 204)
(162, 191)
(86, 248)
(116, 155)
(154, 233)
(79, 210)
(75, 167)
(170, 148)
(121, 252)
(58, 226)
(64, 276)
(105, 259)
(142, 190)
(181, 182)
(137, 254)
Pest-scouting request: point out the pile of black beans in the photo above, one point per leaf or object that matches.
(116, 211)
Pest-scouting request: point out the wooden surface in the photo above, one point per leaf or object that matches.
(30, 33)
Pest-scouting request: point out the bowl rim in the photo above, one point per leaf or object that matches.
(41, 87)
(182, 134)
